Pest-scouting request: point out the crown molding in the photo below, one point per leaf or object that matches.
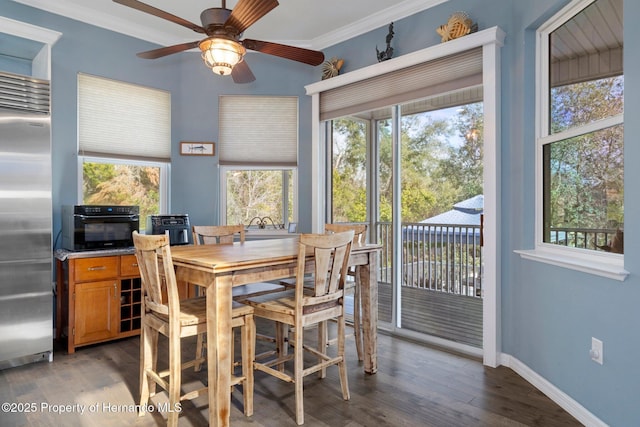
(89, 16)
(370, 22)
(373, 21)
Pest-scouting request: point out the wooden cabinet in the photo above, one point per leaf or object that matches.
(96, 317)
(99, 298)
(129, 266)
(130, 294)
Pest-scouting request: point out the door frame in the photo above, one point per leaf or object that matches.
(490, 40)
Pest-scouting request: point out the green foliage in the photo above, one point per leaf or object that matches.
(462, 168)
(349, 151)
(95, 174)
(435, 173)
(121, 184)
(585, 174)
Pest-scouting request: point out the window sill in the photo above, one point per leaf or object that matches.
(608, 266)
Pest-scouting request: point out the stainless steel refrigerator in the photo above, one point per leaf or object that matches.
(26, 292)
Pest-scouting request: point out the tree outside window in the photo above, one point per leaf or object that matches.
(109, 182)
(442, 163)
(259, 194)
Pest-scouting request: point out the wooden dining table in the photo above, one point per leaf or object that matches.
(218, 268)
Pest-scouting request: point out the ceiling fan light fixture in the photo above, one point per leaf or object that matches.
(221, 54)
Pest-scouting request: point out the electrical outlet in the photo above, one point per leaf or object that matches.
(596, 351)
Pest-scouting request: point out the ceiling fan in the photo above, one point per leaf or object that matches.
(222, 50)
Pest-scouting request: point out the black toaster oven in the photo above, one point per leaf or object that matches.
(91, 227)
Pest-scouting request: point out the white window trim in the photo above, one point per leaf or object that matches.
(591, 262)
(223, 188)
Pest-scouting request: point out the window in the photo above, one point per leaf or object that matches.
(580, 209)
(124, 182)
(258, 160)
(124, 134)
(262, 195)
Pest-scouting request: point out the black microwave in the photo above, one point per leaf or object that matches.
(91, 227)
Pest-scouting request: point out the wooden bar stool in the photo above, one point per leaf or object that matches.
(177, 319)
(227, 235)
(352, 285)
(307, 306)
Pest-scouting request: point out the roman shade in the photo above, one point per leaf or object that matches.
(467, 95)
(435, 77)
(123, 120)
(258, 130)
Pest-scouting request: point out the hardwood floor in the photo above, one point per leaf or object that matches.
(415, 386)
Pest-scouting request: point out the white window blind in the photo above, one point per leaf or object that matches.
(439, 76)
(258, 130)
(123, 120)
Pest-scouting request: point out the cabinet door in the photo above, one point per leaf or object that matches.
(97, 305)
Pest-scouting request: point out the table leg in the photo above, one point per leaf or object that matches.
(218, 352)
(369, 297)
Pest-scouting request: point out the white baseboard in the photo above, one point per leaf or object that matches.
(565, 401)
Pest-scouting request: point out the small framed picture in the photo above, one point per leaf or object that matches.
(197, 148)
(293, 227)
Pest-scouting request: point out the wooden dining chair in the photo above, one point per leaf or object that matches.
(352, 285)
(227, 234)
(217, 234)
(306, 306)
(178, 319)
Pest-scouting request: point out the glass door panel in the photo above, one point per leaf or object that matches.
(442, 203)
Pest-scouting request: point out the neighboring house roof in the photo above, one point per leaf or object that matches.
(450, 226)
(454, 217)
(474, 205)
(466, 212)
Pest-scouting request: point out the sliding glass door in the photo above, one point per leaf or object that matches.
(433, 160)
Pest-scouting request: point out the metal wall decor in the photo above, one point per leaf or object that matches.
(388, 52)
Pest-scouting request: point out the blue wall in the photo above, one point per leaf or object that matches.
(195, 118)
(549, 314)
(194, 93)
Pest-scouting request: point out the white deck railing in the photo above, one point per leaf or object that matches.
(438, 257)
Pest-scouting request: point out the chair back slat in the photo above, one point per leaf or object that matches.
(217, 234)
(156, 272)
(331, 253)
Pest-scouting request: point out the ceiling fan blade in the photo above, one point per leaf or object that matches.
(135, 4)
(306, 56)
(164, 51)
(241, 73)
(247, 12)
